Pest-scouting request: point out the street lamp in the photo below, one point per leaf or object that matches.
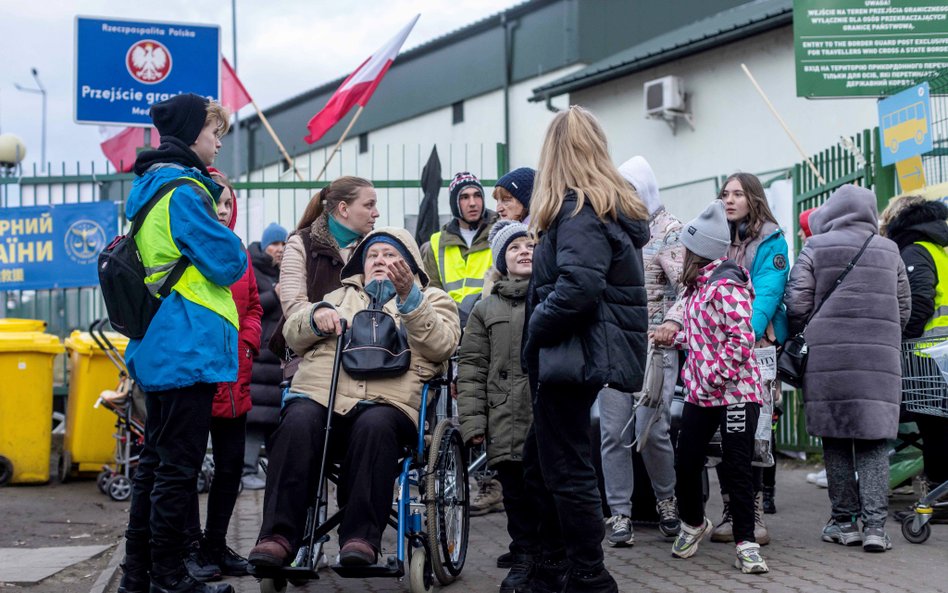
(40, 90)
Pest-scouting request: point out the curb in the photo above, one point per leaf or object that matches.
(108, 574)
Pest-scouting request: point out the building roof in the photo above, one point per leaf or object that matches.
(737, 23)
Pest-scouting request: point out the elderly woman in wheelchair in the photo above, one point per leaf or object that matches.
(375, 412)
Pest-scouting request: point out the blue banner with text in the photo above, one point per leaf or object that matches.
(54, 246)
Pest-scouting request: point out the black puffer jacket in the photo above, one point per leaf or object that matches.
(267, 375)
(589, 281)
(920, 222)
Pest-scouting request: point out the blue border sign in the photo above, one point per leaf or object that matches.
(124, 67)
(905, 128)
(54, 246)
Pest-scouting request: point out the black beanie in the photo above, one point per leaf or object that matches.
(181, 117)
(462, 181)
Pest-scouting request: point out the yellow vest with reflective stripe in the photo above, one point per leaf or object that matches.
(160, 254)
(938, 323)
(461, 277)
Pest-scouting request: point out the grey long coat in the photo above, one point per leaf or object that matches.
(852, 387)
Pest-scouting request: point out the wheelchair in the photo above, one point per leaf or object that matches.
(430, 512)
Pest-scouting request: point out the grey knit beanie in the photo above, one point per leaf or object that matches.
(502, 234)
(708, 235)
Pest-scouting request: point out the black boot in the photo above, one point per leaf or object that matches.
(135, 578)
(186, 584)
(770, 507)
(591, 582)
(550, 576)
(200, 566)
(518, 579)
(230, 562)
(135, 567)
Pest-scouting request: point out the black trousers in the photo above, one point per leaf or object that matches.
(227, 440)
(522, 518)
(369, 441)
(737, 422)
(934, 430)
(176, 433)
(560, 477)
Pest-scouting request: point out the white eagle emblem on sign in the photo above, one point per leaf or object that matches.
(148, 61)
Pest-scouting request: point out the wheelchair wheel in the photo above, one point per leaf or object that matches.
(448, 509)
(419, 572)
(912, 535)
(64, 467)
(272, 585)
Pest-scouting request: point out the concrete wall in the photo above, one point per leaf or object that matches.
(734, 130)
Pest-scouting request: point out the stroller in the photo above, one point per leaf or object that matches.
(127, 402)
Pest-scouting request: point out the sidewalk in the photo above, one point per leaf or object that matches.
(799, 561)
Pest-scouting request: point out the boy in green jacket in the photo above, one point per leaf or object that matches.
(493, 391)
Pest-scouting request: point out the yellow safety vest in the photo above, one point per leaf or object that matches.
(462, 278)
(937, 324)
(160, 254)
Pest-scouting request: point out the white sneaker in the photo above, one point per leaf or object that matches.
(814, 476)
(621, 534)
(749, 559)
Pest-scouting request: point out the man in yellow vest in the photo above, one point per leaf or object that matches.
(920, 230)
(190, 345)
(459, 253)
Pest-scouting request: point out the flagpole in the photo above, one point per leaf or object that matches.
(276, 139)
(786, 128)
(341, 140)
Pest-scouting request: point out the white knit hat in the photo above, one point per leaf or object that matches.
(502, 234)
(709, 235)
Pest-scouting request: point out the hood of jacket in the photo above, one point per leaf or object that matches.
(920, 222)
(145, 186)
(261, 260)
(849, 208)
(354, 267)
(171, 150)
(639, 173)
(511, 289)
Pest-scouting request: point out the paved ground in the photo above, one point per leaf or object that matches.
(44, 516)
(799, 560)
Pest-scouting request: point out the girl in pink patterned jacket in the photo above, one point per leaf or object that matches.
(722, 383)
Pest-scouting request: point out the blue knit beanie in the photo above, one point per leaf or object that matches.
(389, 240)
(519, 183)
(273, 234)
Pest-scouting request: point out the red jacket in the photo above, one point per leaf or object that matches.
(232, 400)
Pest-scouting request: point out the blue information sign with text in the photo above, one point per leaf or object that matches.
(124, 67)
(54, 246)
(905, 124)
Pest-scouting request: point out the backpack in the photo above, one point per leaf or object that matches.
(130, 304)
(375, 347)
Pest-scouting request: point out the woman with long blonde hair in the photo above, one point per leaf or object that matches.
(586, 328)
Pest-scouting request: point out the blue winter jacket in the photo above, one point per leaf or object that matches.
(187, 343)
(769, 276)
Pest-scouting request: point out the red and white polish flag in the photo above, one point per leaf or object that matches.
(358, 87)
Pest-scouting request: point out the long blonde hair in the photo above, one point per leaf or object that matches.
(574, 157)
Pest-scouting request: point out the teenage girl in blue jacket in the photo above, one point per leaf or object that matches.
(758, 244)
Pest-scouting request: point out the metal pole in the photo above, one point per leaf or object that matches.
(41, 90)
(233, 12)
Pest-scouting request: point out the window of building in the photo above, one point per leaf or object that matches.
(363, 143)
(457, 113)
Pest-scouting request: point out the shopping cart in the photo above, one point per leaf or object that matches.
(925, 391)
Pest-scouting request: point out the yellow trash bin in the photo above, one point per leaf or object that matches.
(26, 405)
(10, 324)
(89, 443)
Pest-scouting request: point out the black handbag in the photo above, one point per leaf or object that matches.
(375, 347)
(791, 362)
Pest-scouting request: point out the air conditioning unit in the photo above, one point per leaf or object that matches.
(664, 95)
